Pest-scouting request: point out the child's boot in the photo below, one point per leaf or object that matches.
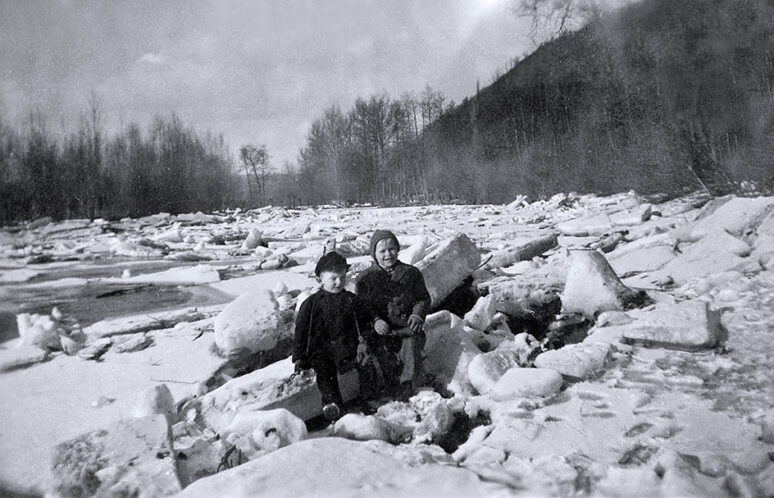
(331, 411)
(370, 407)
(405, 391)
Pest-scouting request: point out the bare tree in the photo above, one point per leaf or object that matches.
(337, 130)
(551, 18)
(373, 131)
(94, 161)
(257, 159)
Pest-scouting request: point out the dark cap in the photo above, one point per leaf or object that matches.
(331, 261)
(381, 235)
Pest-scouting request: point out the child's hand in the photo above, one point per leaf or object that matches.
(381, 327)
(362, 354)
(415, 324)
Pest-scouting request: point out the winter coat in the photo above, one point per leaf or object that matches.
(394, 296)
(330, 324)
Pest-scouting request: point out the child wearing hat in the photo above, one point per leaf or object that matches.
(397, 298)
(331, 326)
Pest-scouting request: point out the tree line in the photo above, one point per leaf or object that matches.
(373, 152)
(660, 97)
(87, 174)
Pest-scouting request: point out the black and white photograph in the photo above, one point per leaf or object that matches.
(386, 249)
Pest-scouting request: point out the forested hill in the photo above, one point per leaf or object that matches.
(661, 96)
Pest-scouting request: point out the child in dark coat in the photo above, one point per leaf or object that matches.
(397, 298)
(330, 336)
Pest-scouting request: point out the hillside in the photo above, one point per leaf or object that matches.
(661, 96)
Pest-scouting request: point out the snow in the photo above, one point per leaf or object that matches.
(156, 400)
(368, 427)
(767, 427)
(426, 417)
(575, 360)
(67, 396)
(258, 433)
(338, 467)
(668, 399)
(130, 457)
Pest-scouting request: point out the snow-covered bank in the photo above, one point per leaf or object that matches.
(650, 326)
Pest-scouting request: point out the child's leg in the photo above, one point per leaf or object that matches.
(411, 356)
(389, 363)
(419, 347)
(368, 381)
(327, 379)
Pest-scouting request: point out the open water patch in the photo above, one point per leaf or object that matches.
(97, 301)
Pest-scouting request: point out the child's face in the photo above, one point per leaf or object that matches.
(333, 281)
(386, 253)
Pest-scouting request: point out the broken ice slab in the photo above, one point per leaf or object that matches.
(641, 260)
(144, 323)
(581, 227)
(252, 323)
(714, 253)
(633, 217)
(20, 356)
(737, 217)
(448, 352)
(689, 325)
(520, 382)
(271, 387)
(592, 286)
(522, 252)
(292, 279)
(448, 264)
(199, 274)
(577, 361)
(486, 369)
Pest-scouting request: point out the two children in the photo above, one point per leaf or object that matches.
(337, 330)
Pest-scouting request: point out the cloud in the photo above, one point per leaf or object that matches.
(257, 71)
(153, 59)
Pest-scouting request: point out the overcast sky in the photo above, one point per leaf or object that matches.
(257, 71)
